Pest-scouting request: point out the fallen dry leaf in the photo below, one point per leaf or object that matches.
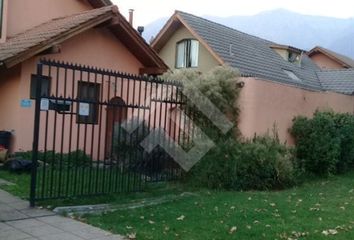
(233, 229)
(131, 236)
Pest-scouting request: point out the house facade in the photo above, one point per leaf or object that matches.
(281, 82)
(89, 32)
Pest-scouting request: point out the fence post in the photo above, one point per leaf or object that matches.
(36, 134)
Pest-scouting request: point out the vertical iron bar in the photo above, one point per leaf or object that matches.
(92, 145)
(100, 135)
(83, 167)
(69, 168)
(138, 157)
(122, 162)
(44, 182)
(36, 136)
(62, 136)
(53, 177)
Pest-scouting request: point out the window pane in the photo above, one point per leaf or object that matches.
(181, 53)
(194, 52)
(89, 92)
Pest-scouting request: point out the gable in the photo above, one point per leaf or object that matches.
(168, 51)
(325, 62)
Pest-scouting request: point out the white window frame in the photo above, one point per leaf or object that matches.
(187, 53)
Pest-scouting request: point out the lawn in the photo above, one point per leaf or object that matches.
(151, 191)
(318, 210)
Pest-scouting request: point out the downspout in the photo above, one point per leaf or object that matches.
(4, 9)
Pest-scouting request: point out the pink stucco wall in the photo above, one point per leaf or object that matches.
(25, 14)
(95, 47)
(265, 104)
(325, 62)
(9, 95)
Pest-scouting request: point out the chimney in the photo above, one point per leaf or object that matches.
(131, 15)
(141, 30)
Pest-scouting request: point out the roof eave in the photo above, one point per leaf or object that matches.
(132, 39)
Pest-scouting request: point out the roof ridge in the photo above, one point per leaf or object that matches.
(233, 29)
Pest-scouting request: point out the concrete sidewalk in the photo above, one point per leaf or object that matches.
(18, 221)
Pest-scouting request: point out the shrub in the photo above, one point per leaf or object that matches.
(345, 126)
(74, 158)
(325, 143)
(220, 86)
(127, 149)
(259, 164)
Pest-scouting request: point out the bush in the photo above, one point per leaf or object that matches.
(220, 86)
(345, 126)
(130, 154)
(324, 143)
(259, 164)
(75, 158)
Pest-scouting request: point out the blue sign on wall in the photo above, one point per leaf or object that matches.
(26, 103)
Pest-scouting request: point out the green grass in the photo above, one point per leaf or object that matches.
(21, 189)
(315, 207)
(309, 210)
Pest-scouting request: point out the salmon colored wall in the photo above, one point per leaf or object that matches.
(9, 94)
(325, 62)
(25, 14)
(265, 103)
(96, 47)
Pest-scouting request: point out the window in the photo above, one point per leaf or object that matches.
(88, 92)
(293, 57)
(292, 75)
(1, 15)
(45, 88)
(187, 53)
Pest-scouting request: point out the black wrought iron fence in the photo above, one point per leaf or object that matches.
(89, 123)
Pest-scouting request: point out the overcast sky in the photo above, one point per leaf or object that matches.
(147, 11)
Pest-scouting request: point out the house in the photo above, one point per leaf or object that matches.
(327, 59)
(89, 32)
(281, 81)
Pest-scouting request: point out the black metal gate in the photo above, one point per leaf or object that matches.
(89, 123)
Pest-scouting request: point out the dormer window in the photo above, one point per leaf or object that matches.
(1, 16)
(187, 52)
(288, 53)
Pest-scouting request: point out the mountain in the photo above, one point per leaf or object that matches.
(286, 27)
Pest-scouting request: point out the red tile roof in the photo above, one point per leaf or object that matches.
(48, 33)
